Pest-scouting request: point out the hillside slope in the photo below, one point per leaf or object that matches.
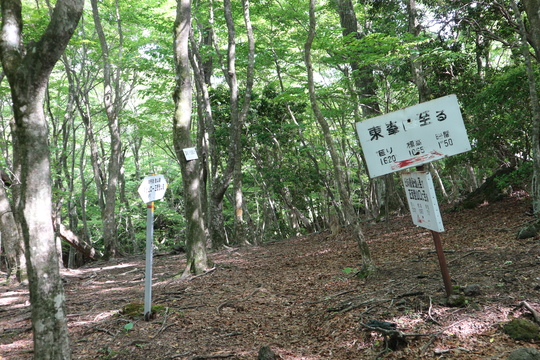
(300, 297)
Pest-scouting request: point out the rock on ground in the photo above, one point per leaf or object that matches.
(525, 354)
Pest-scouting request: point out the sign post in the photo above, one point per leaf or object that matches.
(149, 261)
(152, 188)
(425, 212)
(413, 137)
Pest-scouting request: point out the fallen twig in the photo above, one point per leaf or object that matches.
(429, 312)
(461, 257)
(535, 314)
(440, 352)
(409, 294)
(163, 324)
(203, 274)
(108, 332)
(234, 333)
(18, 330)
(392, 332)
(435, 336)
(393, 338)
(216, 356)
(180, 355)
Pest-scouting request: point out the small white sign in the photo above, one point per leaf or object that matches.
(413, 136)
(422, 201)
(190, 154)
(153, 188)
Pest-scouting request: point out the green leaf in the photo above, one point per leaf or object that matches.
(349, 270)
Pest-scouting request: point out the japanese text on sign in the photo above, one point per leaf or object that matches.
(190, 154)
(156, 184)
(152, 188)
(422, 200)
(413, 136)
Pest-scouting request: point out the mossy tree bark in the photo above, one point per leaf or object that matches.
(28, 69)
(197, 261)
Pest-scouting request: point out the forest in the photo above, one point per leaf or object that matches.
(97, 95)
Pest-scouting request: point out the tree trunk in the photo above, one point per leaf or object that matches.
(12, 241)
(197, 261)
(207, 139)
(112, 102)
(534, 19)
(368, 265)
(237, 116)
(364, 83)
(28, 71)
(236, 124)
(416, 64)
(72, 239)
(532, 8)
(363, 88)
(218, 184)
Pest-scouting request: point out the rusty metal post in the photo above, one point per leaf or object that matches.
(442, 262)
(440, 254)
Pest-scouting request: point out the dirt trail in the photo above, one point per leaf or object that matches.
(299, 296)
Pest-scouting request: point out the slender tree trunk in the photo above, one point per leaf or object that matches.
(112, 103)
(534, 18)
(439, 180)
(416, 64)
(82, 199)
(365, 92)
(532, 8)
(207, 140)
(12, 241)
(130, 228)
(197, 261)
(237, 116)
(306, 148)
(218, 184)
(28, 71)
(363, 87)
(236, 124)
(368, 265)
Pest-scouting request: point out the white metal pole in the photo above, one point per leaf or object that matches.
(149, 252)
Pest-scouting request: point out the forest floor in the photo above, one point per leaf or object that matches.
(300, 297)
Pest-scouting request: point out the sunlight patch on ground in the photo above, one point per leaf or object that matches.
(119, 266)
(77, 324)
(467, 328)
(15, 299)
(470, 326)
(16, 345)
(105, 315)
(115, 290)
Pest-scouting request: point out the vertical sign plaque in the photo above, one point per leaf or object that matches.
(422, 200)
